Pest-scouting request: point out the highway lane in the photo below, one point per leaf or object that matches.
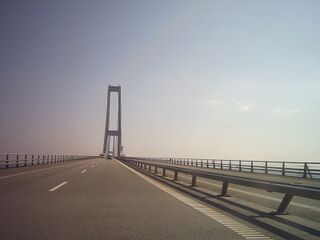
(101, 199)
(253, 205)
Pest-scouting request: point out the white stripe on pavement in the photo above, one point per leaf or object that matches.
(36, 170)
(58, 186)
(83, 171)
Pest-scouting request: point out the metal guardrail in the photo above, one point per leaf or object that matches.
(9, 160)
(295, 169)
(289, 190)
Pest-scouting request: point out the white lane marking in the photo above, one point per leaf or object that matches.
(262, 196)
(83, 171)
(35, 170)
(258, 238)
(31, 171)
(58, 186)
(92, 166)
(208, 211)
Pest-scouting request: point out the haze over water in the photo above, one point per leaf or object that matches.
(211, 79)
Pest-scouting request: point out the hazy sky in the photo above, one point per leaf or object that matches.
(217, 79)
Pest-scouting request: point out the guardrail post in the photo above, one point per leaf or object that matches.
(230, 165)
(283, 169)
(175, 176)
(266, 168)
(32, 160)
(155, 169)
(25, 160)
(240, 167)
(224, 190)
(251, 166)
(221, 164)
(194, 179)
(214, 164)
(163, 172)
(7, 161)
(207, 163)
(149, 167)
(17, 161)
(38, 160)
(284, 204)
(201, 163)
(305, 169)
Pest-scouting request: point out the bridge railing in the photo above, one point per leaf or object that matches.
(9, 160)
(288, 189)
(282, 168)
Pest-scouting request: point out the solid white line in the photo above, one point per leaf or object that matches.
(257, 237)
(58, 186)
(191, 202)
(83, 171)
(31, 171)
(35, 170)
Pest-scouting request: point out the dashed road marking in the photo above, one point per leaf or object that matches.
(237, 227)
(83, 171)
(58, 186)
(35, 170)
(92, 166)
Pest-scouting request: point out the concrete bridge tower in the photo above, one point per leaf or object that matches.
(113, 136)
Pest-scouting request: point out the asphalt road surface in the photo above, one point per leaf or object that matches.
(103, 199)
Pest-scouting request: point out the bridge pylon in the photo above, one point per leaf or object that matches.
(113, 136)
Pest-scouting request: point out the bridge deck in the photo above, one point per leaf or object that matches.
(107, 201)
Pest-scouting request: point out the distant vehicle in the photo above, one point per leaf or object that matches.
(109, 157)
